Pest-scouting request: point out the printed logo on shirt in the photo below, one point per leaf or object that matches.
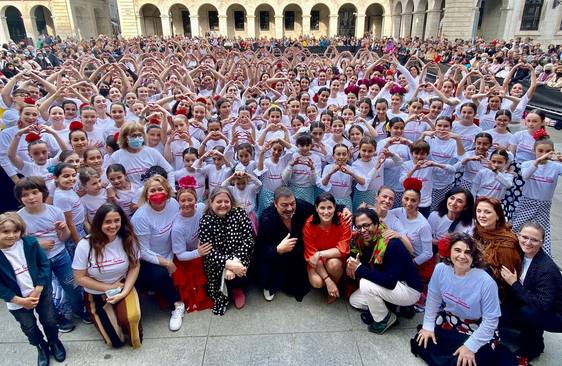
(21, 270)
(456, 300)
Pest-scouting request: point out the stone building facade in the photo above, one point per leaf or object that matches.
(491, 19)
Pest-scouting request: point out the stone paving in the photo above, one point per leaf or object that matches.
(282, 332)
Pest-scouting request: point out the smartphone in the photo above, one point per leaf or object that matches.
(113, 292)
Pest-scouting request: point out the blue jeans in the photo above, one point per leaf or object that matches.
(70, 245)
(46, 312)
(61, 267)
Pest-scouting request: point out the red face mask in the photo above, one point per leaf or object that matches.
(158, 198)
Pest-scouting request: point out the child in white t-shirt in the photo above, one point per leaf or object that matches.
(96, 194)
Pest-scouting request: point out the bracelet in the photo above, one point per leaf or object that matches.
(325, 278)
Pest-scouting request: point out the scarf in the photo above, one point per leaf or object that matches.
(378, 244)
(499, 248)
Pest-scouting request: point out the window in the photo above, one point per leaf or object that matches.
(289, 20)
(531, 15)
(213, 20)
(264, 20)
(315, 20)
(239, 20)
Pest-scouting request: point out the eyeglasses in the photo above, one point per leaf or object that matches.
(364, 226)
(525, 238)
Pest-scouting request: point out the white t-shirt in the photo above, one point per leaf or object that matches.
(138, 163)
(154, 228)
(92, 203)
(185, 234)
(68, 200)
(440, 225)
(442, 152)
(541, 181)
(425, 175)
(419, 233)
(271, 175)
(467, 134)
(524, 146)
(490, 184)
(177, 147)
(31, 169)
(42, 226)
(392, 172)
(414, 129)
(16, 256)
(501, 139)
(199, 176)
(112, 268)
(340, 184)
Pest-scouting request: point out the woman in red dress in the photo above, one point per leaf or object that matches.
(190, 278)
(326, 245)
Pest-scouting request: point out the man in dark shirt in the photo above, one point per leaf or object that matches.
(385, 271)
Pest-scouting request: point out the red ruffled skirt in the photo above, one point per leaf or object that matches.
(190, 280)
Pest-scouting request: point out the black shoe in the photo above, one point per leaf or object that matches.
(64, 325)
(58, 351)
(407, 312)
(86, 318)
(367, 318)
(43, 354)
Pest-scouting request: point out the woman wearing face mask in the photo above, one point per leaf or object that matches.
(152, 224)
(133, 155)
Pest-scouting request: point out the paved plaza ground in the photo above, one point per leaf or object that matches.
(282, 332)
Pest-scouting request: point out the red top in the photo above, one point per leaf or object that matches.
(317, 238)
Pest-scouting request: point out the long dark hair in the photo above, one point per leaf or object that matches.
(98, 240)
(323, 197)
(467, 213)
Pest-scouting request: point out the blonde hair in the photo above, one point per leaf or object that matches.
(15, 219)
(155, 178)
(179, 117)
(126, 130)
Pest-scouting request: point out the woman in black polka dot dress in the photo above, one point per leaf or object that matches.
(229, 231)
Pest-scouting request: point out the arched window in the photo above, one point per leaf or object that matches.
(531, 15)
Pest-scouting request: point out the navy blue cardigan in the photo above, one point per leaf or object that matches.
(38, 265)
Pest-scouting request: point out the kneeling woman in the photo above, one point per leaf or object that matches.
(462, 333)
(229, 231)
(189, 277)
(326, 245)
(106, 264)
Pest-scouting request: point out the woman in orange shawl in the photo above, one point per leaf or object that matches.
(497, 244)
(326, 245)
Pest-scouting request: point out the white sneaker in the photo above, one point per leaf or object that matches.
(268, 295)
(177, 317)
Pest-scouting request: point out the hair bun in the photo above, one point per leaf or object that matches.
(155, 120)
(31, 137)
(76, 125)
(181, 110)
(397, 89)
(540, 134)
(413, 184)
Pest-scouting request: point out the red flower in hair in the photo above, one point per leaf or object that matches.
(413, 183)
(351, 89)
(389, 72)
(28, 100)
(201, 100)
(116, 136)
(397, 89)
(84, 105)
(187, 182)
(216, 97)
(181, 110)
(154, 121)
(539, 134)
(444, 247)
(76, 125)
(378, 68)
(315, 98)
(32, 136)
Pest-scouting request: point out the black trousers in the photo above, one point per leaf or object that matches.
(531, 322)
(47, 318)
(153, 277)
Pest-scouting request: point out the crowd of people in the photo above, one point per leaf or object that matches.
(183, 170)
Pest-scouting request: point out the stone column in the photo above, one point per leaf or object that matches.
(279, 26)
(223, 26)
(432, 24)
(129, 19)
(195, 31)
(333, 28)
(397, 24)
(166, 25)
(62, 18)
(4, 32)
(417, 28)
(30, 27)
(506, 27)
(406, 25)
(251, 19)
(386, 26)
(359, 25)
(305, 24)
